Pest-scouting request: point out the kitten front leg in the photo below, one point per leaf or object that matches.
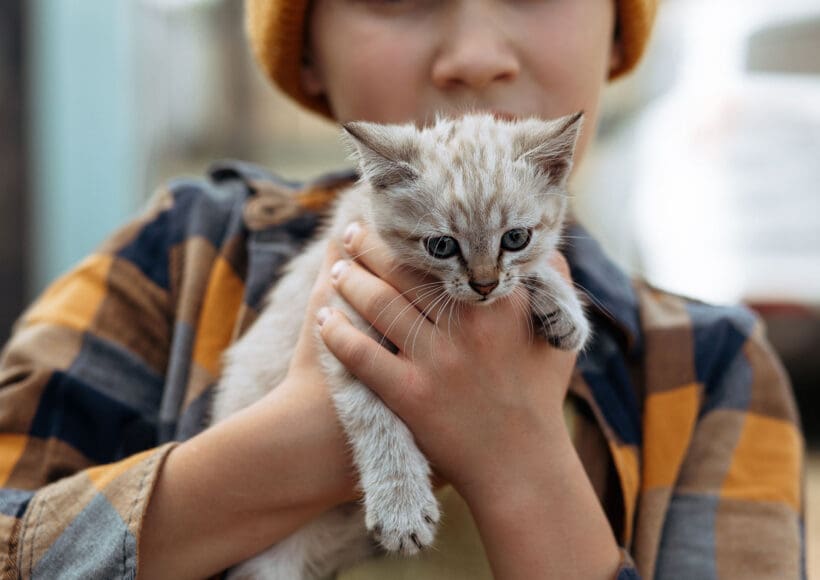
(400, 508)
(557, 312)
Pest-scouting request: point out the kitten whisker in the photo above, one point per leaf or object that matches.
(443, 296)
(449, 305)
(418, 225)
(457, 307)
(418, 321)
(422, 296)
(598, 304)
(539, 290)
(453, 304)
(546, 325)
(419, 298)
(442, 309)
(362, 253)
(565, 195)
(520, 302)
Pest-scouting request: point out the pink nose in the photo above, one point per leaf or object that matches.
(483, 288)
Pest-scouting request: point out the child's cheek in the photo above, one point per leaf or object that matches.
(381, 82)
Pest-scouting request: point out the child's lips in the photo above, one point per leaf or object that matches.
(497, 114)
(504, 116)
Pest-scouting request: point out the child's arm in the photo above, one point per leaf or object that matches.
(82, 385)
(484, 402)
(80, 381)
(723, 455)
(252, 479)
(242, 485)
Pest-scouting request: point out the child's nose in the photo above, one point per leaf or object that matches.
(475, 49)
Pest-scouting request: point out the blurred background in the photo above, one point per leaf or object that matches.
(705, 178)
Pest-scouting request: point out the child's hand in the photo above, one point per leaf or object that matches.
(482, 396)
(304, 366)
(305, 394)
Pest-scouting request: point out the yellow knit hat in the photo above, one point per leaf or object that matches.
(276, 32)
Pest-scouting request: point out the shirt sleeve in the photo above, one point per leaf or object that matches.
(81, 382)
(735, 506)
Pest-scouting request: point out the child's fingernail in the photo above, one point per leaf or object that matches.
(323, 315)
(338, 268)
(351, 232)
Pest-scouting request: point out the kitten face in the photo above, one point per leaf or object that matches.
(475, 201)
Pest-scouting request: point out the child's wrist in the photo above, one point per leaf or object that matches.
(529, 467)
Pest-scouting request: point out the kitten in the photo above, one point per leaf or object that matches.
(477, 202)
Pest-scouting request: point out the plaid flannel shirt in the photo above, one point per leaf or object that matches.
(685, 420)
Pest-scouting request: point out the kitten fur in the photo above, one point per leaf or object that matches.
(473, 179)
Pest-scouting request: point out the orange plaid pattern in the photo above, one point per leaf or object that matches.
(685, 419)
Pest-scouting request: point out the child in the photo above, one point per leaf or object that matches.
(679, 456)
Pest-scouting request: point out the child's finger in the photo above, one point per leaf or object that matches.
(374, 365)
(319, 297)
(379, 303)
(369, 250)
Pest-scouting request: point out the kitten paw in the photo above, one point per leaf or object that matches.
(563, 330)
(557, 313)
(404, 527)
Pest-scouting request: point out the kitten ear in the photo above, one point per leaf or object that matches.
(385, 153)
(551, 146)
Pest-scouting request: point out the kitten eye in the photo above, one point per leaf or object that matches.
(442, 247)
(515, 239)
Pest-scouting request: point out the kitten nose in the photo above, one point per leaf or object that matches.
(483, 288)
